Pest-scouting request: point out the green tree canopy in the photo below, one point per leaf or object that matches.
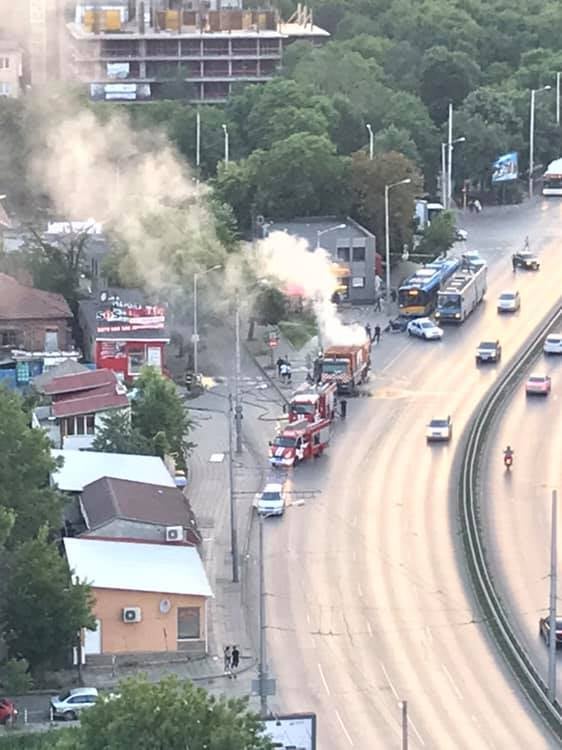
(439, 236)
(117, 435)
(446, 77)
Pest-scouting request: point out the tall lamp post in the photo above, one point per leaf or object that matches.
(558, 98)
(195, 336)
(532, 136)
(371, 141)
(226, 144)
(446, 170)
(387, 189)
(320, 232)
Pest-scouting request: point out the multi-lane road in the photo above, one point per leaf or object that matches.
(367, 604)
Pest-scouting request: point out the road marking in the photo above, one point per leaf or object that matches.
(342, 725)
(354, 555)
(308, 618)
(418, 735)
(359, 590)
(369, 629)
(453, 684)
(394, 691)
(393, 360)
(324, 679)
(428, 634)
(354, 521)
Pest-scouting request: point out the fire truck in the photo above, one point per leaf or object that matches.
(299, 441)
(346, 366)
(313, 402)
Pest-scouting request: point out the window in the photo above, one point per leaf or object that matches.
(189, 622)
(358, 282)
(136, 361)
(79, 425)
(8, 338)
(5, 89)
(342, 253)
(90, 424)
(4, 62)
(358, 254)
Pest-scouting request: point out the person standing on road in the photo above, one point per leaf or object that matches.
(227, 658)
(378, 307)
(514, 263)
(279, 362)
(289, 372)
(235, 657)
(377, 336)
(368, 331)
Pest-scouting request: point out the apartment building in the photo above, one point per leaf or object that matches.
(11, 68)
(196, 49)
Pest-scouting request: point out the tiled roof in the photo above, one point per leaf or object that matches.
(80, 381)
(85, 393)
(20, 302)
(97, 400)
(108, 498)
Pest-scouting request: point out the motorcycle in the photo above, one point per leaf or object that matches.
(508, 460)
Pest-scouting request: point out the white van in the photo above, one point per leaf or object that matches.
(271, 502)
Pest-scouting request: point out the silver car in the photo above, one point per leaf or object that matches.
(509, 302)
(69, 704)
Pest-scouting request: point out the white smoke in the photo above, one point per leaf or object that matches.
(291, 263)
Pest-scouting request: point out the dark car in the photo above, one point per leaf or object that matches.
(488, 351)
(544, 630)
(8, 711)
(527, 260)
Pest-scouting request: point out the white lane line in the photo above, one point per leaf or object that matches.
(359, 590)
(453, 684)
(324, 679)
(387, 678)
(369, 629)
(308, 618)
(428, 634)
(354, 555)
(418, 735)
(342, 725)
(393, 360)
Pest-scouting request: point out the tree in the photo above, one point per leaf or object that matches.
(270, 306)
(42, 611)
(446, 77)
(368, 182)
(117, 435)
(181, 716)
(25, 466)
(158, 408)
(396, 139)
(439, 236)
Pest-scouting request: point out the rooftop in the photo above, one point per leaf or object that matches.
(137, 566)
(86, 393)
(108, 498)
(21, 302)
(83, 467)
(79, 381)
(308, 227)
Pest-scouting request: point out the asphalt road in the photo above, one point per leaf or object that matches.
(366, 601)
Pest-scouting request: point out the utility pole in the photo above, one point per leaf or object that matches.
(233, 515)
(450, 154)
(262, 665)
(552, 612)
(238, 401)
(198, 141)
(444, 174)
(558, 99)
(404, 725)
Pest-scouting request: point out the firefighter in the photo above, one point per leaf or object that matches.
(343, 408)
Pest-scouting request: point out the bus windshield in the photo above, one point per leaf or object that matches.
(410, 297)
(334, 366)
(448, 301)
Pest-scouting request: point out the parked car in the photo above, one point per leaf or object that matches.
(473, 259)
(488, 351)
(271, 502)
(538, 385)
(509, 302)
(527, 260)
(8, 711)
(439, 430)
(68, 705)
(180, 478)
(544, 630)
(553, 344)
(424, 328)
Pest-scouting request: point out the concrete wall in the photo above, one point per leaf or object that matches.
(123, 529)
(31, 334)
(10, 73)
(156, 632)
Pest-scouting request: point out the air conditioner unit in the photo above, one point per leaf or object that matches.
(132, 614)
(174, 533)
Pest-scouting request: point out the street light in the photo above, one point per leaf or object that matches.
(226, 144)
(371, 141)
(446, 174)
(195, 336)
(387, 189)
(558, 98)
(532, 136)
(320, 232)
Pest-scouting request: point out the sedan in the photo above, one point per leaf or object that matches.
(69, 705)
(527, 260)
(538, 385)
(424, 328)
(509, 302)
(553, 344)
(8, 711)
(488, 351)
(473, 259)
(544, 630)
(439, 430)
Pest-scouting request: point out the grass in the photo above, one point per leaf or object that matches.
(298, 330)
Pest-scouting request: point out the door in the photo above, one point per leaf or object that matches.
(51, 341)
(92, 640)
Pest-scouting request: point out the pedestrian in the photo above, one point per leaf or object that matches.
(343, 408)
(283, 369)
(235, 657)
(514, 263)
(289, 373)
(477, 206)
(393, 295)
(279, 363)
(378, 307)
(227, 658)
(377, 336)
(471, 206)
(368, 331)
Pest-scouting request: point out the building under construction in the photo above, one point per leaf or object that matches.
(198, 49)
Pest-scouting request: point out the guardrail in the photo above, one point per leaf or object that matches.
(490, 602)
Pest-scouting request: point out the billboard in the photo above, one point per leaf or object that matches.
(292, 731)
(505, 168)
(115, 315)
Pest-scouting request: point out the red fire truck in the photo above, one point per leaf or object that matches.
(313, 402)
(347, 366)
(299, 441)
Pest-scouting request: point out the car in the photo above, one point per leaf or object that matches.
(509, 302)
(8, 711)
(538, 385)
(472, 259)
(488, 351)
(424, 328)
(69, 704)
(461, 235)
(544, 630)
(553, 344)
(180, 478)
(271, 502)
(527, 260)
(439, 430)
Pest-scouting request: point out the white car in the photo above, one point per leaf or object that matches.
(553, 344)
(424, 328)
(439, 430)
(68, 705)
(461, 235)
(271, 502)
(473, 259)
(509, 302)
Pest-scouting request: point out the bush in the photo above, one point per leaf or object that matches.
(15, 677)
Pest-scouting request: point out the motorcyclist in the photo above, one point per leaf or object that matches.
(508, 454)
